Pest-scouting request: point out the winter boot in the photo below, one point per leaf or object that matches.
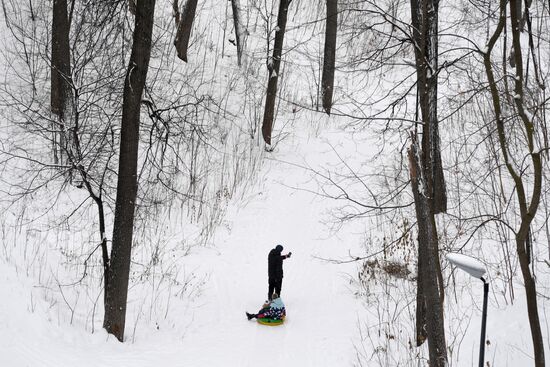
(250, 316)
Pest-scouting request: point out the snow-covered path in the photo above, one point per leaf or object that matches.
(322, 319)
(321, 326)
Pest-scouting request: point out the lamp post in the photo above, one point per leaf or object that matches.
(476, 269)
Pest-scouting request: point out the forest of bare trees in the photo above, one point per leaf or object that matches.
(138, 112)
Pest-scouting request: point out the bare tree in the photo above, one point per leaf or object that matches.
(329, 58)
(273, 66)
(81, 99)
(184, 24)
(116, 285)
(528, 148)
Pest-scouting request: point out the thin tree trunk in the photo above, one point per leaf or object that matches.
(184, 24)
(427, 245)
(98, 199)
(273, 65)
(104, 249)
(116, 291)
(239, 30)
(101, 215)
(527, 211)
(532, 307)
(421, 322)
(329, 54)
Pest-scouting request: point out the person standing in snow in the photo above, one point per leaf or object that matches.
(275, 270)
(273, 310)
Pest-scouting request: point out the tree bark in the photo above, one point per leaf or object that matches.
(427, 275)
(421, 322)
(273, 66)
(239, 31)
(60, 63)
(132, 6)
(61, 82)
(116, 291)
(527, 211)
(528, 208)
(424, 15)
(329, 58)
(184, 24)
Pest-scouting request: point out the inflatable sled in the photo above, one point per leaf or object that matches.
(271, 322)
(278, 317)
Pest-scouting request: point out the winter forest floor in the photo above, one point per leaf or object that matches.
(332, 320)
(322, 311)
(345, 314)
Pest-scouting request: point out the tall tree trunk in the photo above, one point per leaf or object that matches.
(61, 85)
(329, 58)
(424, 15)
(116, 291)
(427, 275)
(184, 24)
(273, 66)
(528, 208)
(527, 211)
(239, 29)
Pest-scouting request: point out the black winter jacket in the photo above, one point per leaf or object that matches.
(275, 264)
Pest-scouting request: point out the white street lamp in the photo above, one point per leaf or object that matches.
(476, 269)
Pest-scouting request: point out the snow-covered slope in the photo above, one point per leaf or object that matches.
(328, 324)
(322, 311)
(333, 320)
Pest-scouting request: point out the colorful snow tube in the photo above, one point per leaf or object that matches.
(271, 322)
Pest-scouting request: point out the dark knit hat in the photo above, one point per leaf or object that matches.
(279, 248)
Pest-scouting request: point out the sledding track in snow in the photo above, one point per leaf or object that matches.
(321, 320)
(321, 327)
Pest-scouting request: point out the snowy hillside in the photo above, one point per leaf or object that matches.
(323, 313)
(328, 323)
(213, 199)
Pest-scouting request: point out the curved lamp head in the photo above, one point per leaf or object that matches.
(472, 266)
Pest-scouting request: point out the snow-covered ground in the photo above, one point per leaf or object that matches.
(333, 320)
(322, 310)
(328, 323)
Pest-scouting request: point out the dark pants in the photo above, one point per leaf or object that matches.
(274, 285)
